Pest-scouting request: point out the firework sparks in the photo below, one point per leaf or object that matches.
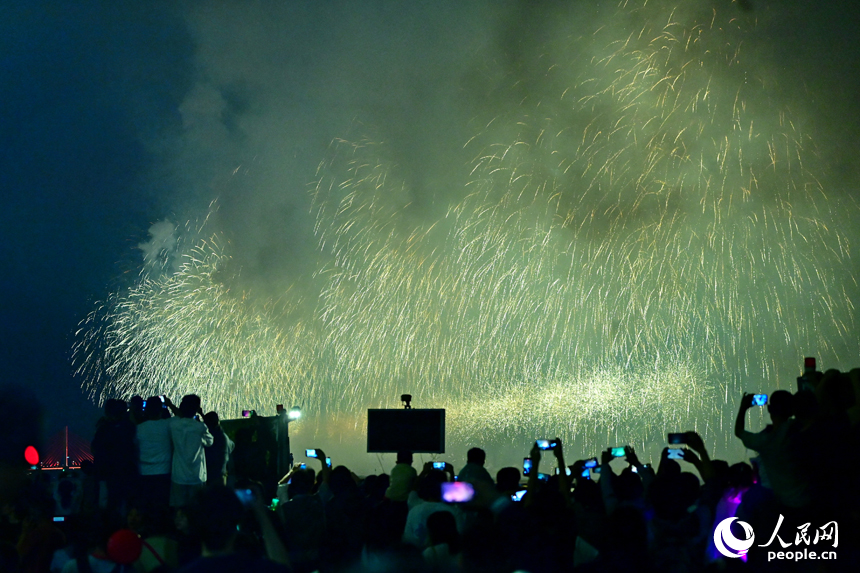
(628, 250)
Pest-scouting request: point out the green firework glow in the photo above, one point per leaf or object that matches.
(631, 247)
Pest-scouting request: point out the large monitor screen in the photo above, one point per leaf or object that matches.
(419, 431)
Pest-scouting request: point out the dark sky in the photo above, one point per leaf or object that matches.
(80, 84)
(103, 127)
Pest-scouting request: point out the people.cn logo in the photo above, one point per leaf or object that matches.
(729, 545)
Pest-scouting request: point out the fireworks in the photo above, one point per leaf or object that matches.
(188, 333)
(630, 249)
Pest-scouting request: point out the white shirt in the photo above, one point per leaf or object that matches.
(415, 532)
(156, 448)
(189, 459)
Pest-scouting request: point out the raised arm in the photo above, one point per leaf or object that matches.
(207, 437)
(275, 549)
(170, 406)
(607, 489)
(646, 474)
(703, 461)
(324, 469)
(449, 469)
(563, 478)
(746, 404)
(533, 482)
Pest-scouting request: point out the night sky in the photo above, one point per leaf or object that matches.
(117, 115)
(83, 85)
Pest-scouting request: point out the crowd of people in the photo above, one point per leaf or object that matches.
(162, 494)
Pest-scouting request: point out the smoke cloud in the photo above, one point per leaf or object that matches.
(609, 206)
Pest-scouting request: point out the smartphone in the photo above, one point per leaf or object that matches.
(677, 438)
(457, 491)
(546, 444)
(246, 413)
(438, 465)
(144, 405)
(518, 496)
(543, 477)
(591, 463)
(163, 398)
(59, 518)
(676, 454)
(311, 453)
(303, 466)
(759, 399)
(586, 473)
(618, 452)
(246, 496)
(328, 462)
(527, 466)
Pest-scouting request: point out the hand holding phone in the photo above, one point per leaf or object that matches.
(630, 456)
(535, 454)
(759, 399)
(695, 441)
(746, 401)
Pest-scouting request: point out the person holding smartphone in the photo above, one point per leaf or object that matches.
(156, 454)
(780, 470)
(189, 436)
(219, 517)
(430, 502)
(302, 514)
